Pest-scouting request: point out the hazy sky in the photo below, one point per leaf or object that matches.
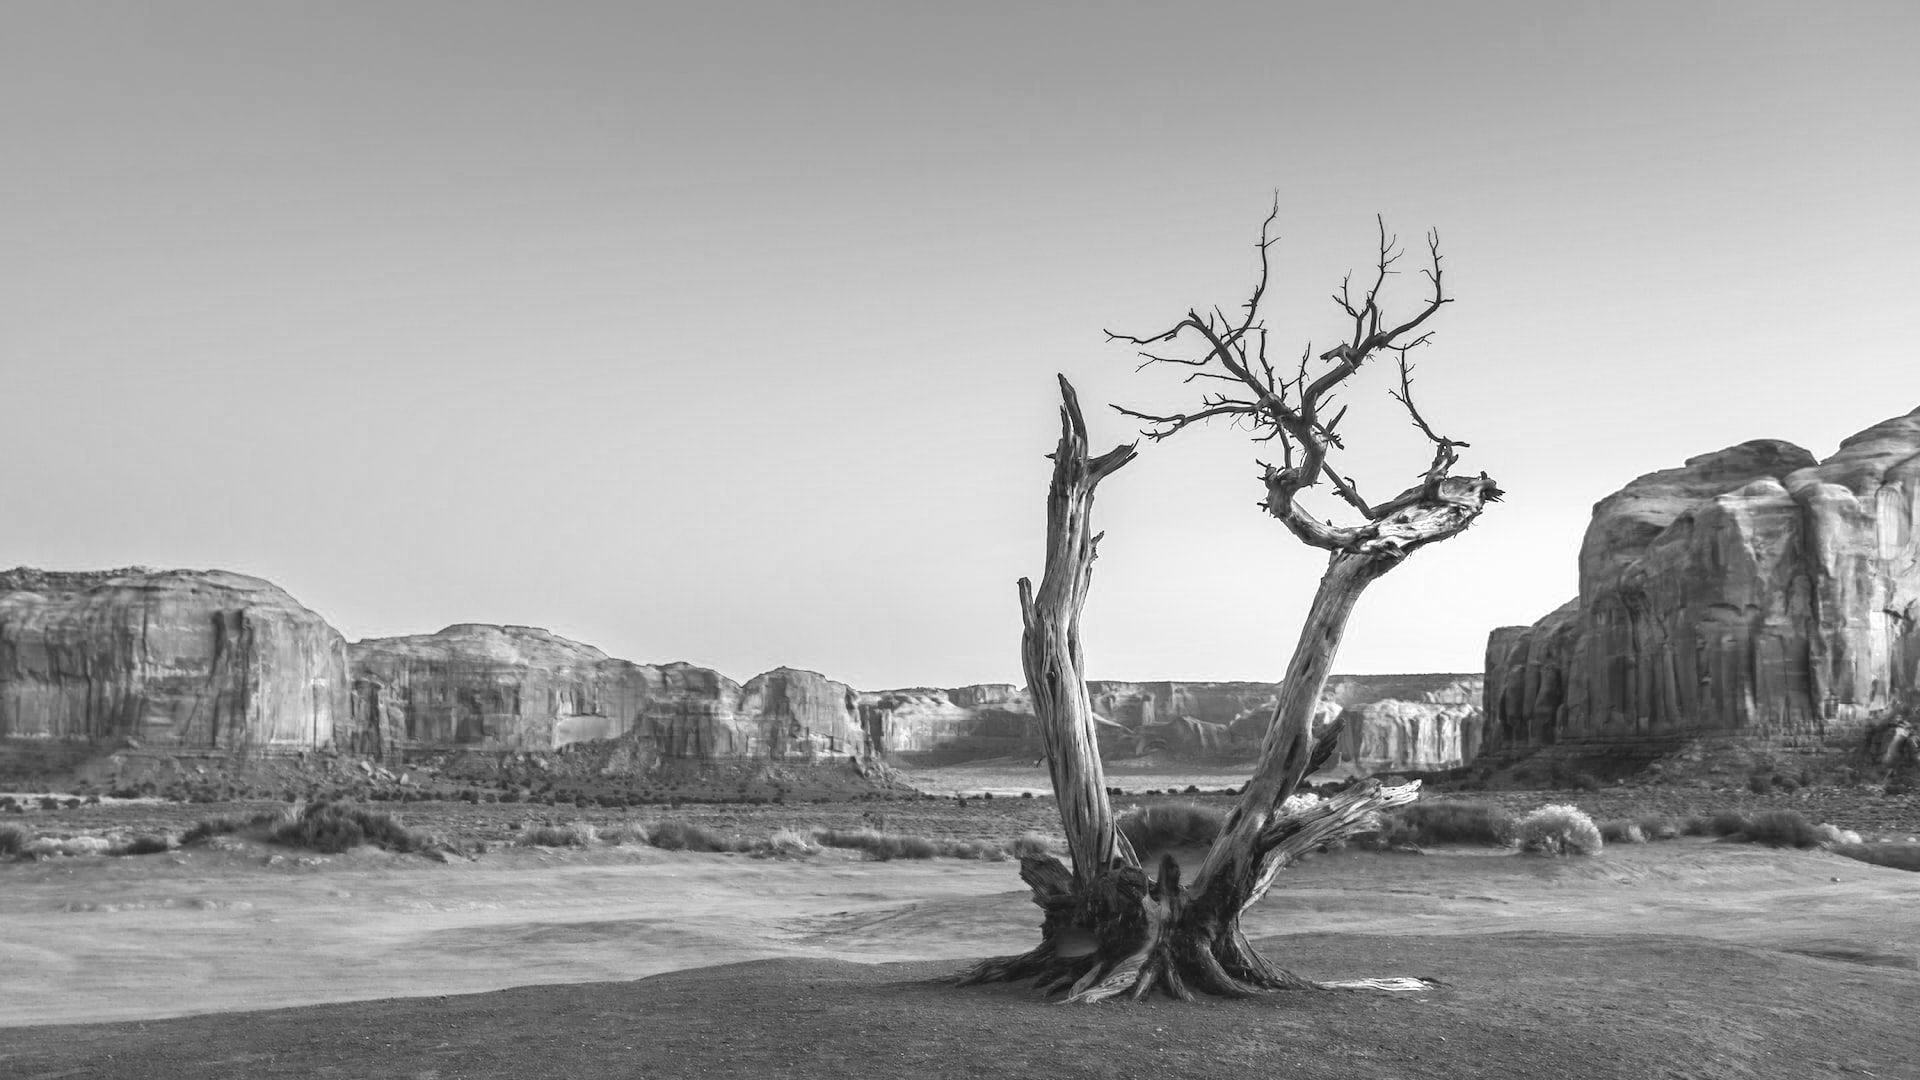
(726, 332)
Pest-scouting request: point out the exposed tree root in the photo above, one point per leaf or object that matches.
(1126, 934)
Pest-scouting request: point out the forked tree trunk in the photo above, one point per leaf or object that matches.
(1110, 927)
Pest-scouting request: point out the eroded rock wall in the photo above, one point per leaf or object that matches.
(1436, 725)
(217, 662)
(1754, 592)
(481, 686)
(485, 687)
(172, 659)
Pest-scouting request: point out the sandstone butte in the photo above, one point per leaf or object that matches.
(197, 662)
(1753, 593)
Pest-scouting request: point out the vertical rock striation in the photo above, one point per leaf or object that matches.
(517, 688)
(1394, 721)
(490, 687)
(176, 659)
(209, 661)
(1753, 592)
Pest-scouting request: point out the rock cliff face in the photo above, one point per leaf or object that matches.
(218, 662)
(493, 687)
(177, 659)
(1394, 721)
(483, 687)
(1753, 592)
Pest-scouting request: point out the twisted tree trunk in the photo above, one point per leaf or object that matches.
(1109, 927)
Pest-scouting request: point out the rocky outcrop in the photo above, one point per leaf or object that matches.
(489, 687)
(1754, 592)
(1434, 722)
(172, 659)
(1395, 735)
(929, 724)
(218, 662)
(484, 687)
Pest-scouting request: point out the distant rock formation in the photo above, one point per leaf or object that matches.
(208, 661)
(482, 687)
(489, 687)
(175, 659)
(1393, 721)
(1753, 592)
(1399, 722)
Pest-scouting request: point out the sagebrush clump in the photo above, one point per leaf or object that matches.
(1031, 844)
(1559, 830)
(879, 846)
(1782, 828)
(1622, 832)
(557, 836)
(1893, 856)
(1659, 827)
(682, 836)
(143, 845)
(787, 844)
(1426, 823)
(332, 828)
(1170, 825)
(225, 824)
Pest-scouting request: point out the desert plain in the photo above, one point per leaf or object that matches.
(1691, 957)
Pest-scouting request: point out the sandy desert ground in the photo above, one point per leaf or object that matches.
(1682, 958)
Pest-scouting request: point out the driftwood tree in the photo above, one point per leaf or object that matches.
(1110, 927)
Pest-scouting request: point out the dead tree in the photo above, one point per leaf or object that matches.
(1110, 927)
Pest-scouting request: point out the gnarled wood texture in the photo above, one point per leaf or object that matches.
(1109, 927)
(1050, 647)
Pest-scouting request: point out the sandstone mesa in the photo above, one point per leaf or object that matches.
(1753, 593)
(212, 662)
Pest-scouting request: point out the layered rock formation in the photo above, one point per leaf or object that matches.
(175, 659)
(483, 687)
(931, 724)
(1422, 722)
(219, 662)
(1393, 721)
(492, 687)
(1753, 592)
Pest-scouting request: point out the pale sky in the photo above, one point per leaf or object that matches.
(727, 332)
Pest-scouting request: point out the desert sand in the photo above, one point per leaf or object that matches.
(1692, 956)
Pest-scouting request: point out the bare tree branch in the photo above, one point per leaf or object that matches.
(1290, 410)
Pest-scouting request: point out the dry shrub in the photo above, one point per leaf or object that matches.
(143, 845)
(879, 846)
(682, 836)
(332, 828)
(576, 835)
(1833, 835)
(49, 846)
(1557, 830)
(1170, 825)
(972, 849)
(1659, 827)
(221, 825)
(786, 844)
(1727, 823)
(13, 839)
(1426, 823)
(1782, 828)
(1031, 844)
(1622, 832)
(1896, 856)
(613, 835)
(1298, 802)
